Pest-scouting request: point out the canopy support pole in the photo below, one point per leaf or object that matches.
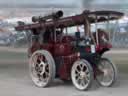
(97, 37)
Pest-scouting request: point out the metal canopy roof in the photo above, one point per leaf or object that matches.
(75, 20)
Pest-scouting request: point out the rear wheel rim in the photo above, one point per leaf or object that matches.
(40, 69)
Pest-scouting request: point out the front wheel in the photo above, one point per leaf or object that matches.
(82, 74)
(108, 74)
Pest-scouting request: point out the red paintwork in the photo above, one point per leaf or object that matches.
(65, 50)
(62, 49)
(64, 71)
(99, 48)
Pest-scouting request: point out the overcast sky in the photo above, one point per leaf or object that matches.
(35, 3)
(108, 1)
(85, 4)
(38, 1)
(62, 1)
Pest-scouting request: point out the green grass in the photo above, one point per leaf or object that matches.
(12, 55)
(121, 61)
(123, 68)
(122, 65)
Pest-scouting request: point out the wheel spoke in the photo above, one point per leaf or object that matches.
(87, 77)
(78, 77)
(34, 72)
(82, 82)
(79, 80)
(47, 73)
(86, 71)
(101, 77)
(77, 71)
(110, 74)
(81, 67)
(43, 79)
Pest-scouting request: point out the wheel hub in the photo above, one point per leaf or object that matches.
(40, 68)
(82, 75)
(105, 71)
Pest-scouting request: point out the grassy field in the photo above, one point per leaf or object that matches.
(121, 60)
(12, 55)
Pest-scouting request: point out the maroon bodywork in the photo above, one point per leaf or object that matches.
(65, 50)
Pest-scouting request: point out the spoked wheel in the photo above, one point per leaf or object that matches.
(42, 68)
(108, 74)
(82, 74)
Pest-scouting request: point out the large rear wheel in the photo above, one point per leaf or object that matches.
(42, 68)
(82, 74)
(108, 74)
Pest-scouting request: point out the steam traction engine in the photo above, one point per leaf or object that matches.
(54, 53)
